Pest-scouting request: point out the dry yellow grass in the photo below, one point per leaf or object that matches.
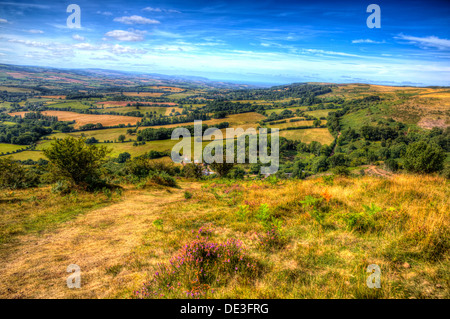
(95, 241)
(142, 94)
(118, 246)
(82, 119)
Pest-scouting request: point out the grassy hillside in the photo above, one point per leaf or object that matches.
(328, 232)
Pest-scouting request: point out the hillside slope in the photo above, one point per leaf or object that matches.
(331, 230)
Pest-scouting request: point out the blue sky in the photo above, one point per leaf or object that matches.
(241, 41)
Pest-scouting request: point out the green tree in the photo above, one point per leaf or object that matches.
(75, 161)
(423, 157)
(123, 157)
(317, 123)
(121, 138)
(222, 169)
(14, 176)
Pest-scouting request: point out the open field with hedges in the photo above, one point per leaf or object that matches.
(83, 119)
(321, 135)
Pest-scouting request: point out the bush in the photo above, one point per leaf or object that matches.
(14, 176)
(237, 173)
(272, 239)
(341, 171)
(141, 167)
(199, 268)
(446, 172)
(123, 157)
(422, 157)
(192, 170)
(73, 160)
(222, 169)
(61, 187)
(363, 221)
(162, 178)
(391, 165)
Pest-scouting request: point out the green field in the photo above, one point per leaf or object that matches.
(8, 123)
(160, 110)
(321, 135)
(291, 124)
(4, 147)
(279, 110)
(4, 105)
(77, 105)
(23, 156)
(320, 113)
(116, 148)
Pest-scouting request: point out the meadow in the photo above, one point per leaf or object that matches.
(321, 135)
(83, 119)
(328, 231)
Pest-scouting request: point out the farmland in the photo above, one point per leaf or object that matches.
(321, 135)
(346, 193)
(83, 119)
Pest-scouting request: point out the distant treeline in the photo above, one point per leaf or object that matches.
(152, 134)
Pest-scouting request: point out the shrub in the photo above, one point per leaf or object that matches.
(391, 164)
(159, 223)
(363, 221)
(123, 157)
(422, 157)
(273, 238)
(162, 178)
(222, 169)
(263, 214)
(341, 171)
(61, 187)
(237, 173)
(192, 170)
(142, 167)
(316, 207)
(73, 160)
(198, 268)
(187, 195)
(242, 213)
(14, 176)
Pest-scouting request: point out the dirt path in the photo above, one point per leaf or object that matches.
(376, 171)
(36, 266)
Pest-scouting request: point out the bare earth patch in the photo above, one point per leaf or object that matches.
(428, 123)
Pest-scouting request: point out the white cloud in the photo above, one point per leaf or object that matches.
(365, 41)
(122, 35)
(150, 9)
(3, 20)
(105, 13)
(120, 49)
(78, 37)
(29, 43)
(320, 52)
(136, 20)
(87, 46)
(426, 42)
(34, 31)
(116, 48)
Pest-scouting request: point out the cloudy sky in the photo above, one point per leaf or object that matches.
(242, 41)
